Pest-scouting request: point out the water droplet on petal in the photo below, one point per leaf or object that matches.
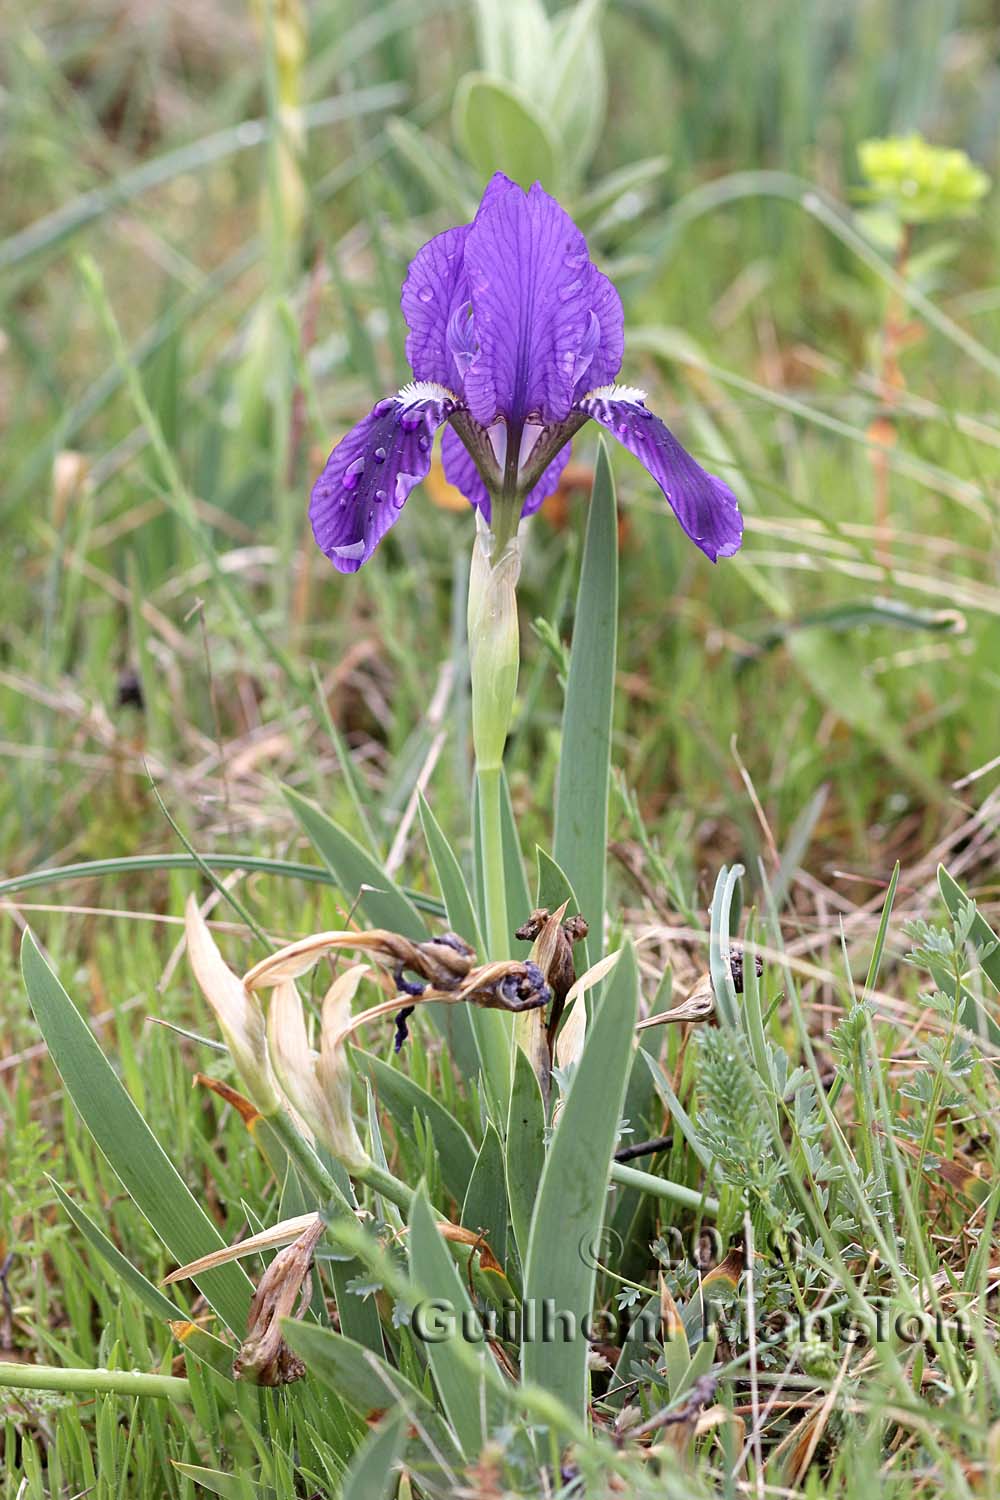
(423, 442)
(410, 421)
(383, 407)
(425, 294)
(569, 289)
(379, 455)
(403, 487)
(353, 473)
(381, 495)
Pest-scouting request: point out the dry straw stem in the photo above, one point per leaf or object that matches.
(275, 1238)
(287, 1231)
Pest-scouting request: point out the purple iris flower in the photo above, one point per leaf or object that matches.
(515, 339)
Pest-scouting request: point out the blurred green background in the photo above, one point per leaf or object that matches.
(250, 273)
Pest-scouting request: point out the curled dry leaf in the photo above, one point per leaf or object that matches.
(698, 1006)
(457, 1234)
(247, 1112)
(553, 953)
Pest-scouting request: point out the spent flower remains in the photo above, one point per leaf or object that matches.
(515, 341)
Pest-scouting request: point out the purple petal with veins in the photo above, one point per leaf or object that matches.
(606, 360)
(529, 278)
(371, 471)
(706, 508)
(434, 292)
(515, 335)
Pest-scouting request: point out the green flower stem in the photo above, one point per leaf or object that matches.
(661, 1187)
(113, 1382)
(306, 1161)
(494, 882)
(504, 521)
(315, 1174)
(383, 1182)
(372, 1175)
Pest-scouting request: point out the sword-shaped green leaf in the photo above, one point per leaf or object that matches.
(581, 834)
(145, 1169)
(563, 1246)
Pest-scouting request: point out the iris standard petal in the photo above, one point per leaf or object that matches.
(434, 292)
(606, 307)
(530, 284)
(461, 471)
(371, 471)
(706, 508)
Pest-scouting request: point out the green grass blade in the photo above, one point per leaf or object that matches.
(719, 946)
(525, 1149)
(518, 894)
(485, 1205)
(402, 1096)
(359, 876)
(573, 1191)
(370, 1474)
(355, 1375)
(581, 832)
(981, 932)
(490, 1032)
(451, 882)
(133, 864)
(218, 1482)
(553, 889)
(48, 233)
(146, 1172)
(678, 1114)
(883, 929)
(436, 1276)
(830, 667)
(348, 770)
(553, 885)
(974, 1014)
(150, 1296)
